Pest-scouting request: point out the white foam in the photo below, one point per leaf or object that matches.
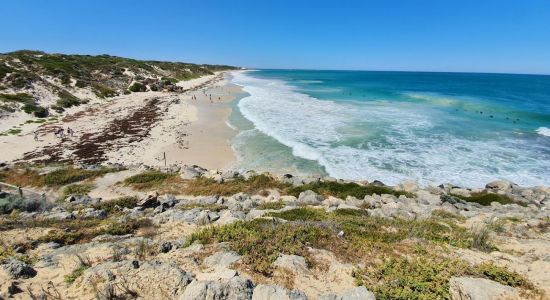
(408, 144)
(543, 131)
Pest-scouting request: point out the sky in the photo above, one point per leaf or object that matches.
(504, 36)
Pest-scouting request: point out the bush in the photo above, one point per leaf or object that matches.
(342, 190)
(37, 111)
(70, 175)
(66, 99)
(11, 203)
(255, 184)
(124, 202)
(76, 189)
(485, 198)
(137, 87)
(148, 179)
(104, 92)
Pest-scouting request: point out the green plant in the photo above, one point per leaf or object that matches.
(137, 87)
(343, 190)
(123, 202)
(76, 189)
(254, 184)
(67, 99)
(485, 198)
(271, 205)
(148, 179)
(70, 175)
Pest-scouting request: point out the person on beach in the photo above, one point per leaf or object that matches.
(35, 133)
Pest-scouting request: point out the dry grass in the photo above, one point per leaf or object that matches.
(254, 185)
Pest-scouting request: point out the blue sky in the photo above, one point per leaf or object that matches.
(511, 36)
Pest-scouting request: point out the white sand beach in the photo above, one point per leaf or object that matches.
(134, 129)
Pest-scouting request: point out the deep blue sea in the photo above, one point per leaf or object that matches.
(461, 128)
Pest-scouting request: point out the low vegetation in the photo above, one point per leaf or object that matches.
(343, 190)
(123, 202)
(485, 198)
(403, 259)
(254, 184)
(76, 189)
(148, 179)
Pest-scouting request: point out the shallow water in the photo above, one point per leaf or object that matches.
(465, 129)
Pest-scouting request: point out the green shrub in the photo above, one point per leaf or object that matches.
(11, 203)
(137, 87)
(148, 179)
(254, 184)
(271, 205)
(67, 99)
(37, 111)
(342, 190)
(103, 92)
(70, 175)
(76, 189)
(123, 202)
(485, 198)
(69, 279)
(20, 97)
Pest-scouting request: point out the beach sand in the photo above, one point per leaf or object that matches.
(138, 129)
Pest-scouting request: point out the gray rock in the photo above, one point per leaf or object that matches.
(499, 185)
(358, 293)
(17, 269)
(59, 213)
(165, 247)
(275, 292)
(294, 263)
(235, 288)
(191, 172)
(150, 200)
(95, 214)
(468, 288)
(222, 259)
(310, 197)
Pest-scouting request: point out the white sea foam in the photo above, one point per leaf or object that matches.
(407, 145)
(543, 131)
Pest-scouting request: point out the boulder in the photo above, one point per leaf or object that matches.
(276, 292)
(235, 288)
(222, 259)
(468, 288)
(94, 214)
(151, 200)
(16, 269)
(499, 185)
(310, 197)
(294, 263)
(191, 172)
(358, 293)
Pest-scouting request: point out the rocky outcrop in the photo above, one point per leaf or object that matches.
(16, 269)
(236, 288)
(275, 292)
(467, 288)
(358, 293)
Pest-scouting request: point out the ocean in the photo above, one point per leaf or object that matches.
(466, 129)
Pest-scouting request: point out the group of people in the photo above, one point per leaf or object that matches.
(60, 132)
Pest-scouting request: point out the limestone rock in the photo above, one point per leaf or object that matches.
(235, 288)
(358, 293)
(17, 269)
(310, 197)
(293, 263)
(468, 288)
(275, 292)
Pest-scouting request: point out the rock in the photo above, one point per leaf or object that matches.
(377, 183)
(235, 288)
(168, 201)
(499, 185)
(151, 200)
(358, 293)
(228, 217)
(59, 213)
(468, 288)
(191, 172)
(165, 247)
(275, 292)
(347, 206)
(206, 217)
(293, 263)
(95, 214)
(82, 199)
(407, 186)
(310, 197)
(17, 269)
(222, 259)
(150, 278)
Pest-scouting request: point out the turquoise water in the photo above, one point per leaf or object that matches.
(460, 128)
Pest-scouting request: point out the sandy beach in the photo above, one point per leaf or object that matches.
(140, 128)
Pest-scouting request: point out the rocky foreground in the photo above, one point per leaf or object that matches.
(184, 232)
